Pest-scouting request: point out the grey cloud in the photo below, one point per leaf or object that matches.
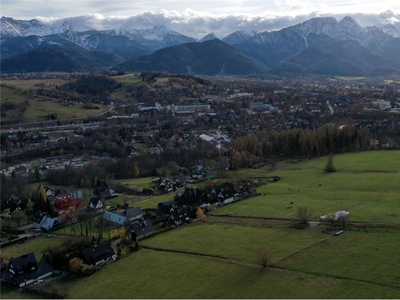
(197, 24)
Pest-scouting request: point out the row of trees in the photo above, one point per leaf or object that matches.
(300, 142)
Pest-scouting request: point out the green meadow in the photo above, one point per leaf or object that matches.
(151, 274)
(38, 108)
(35, 245)
(236, 242)
(365, 184)
(369, 255)
(220, 259)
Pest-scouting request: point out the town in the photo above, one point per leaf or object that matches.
(94, 164)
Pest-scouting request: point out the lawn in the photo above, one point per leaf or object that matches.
(151, 274)
(370, 255)
(35, 245)
(8, 292)
(236, 242)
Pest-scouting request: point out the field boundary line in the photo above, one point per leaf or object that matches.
(248, 217)
(337, 277)
(213, 256)
(308, 247)
(374, 197)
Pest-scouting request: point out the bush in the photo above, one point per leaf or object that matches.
(329, 167)
(88, 270)
(264, 257)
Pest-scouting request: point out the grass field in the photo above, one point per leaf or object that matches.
(144, 182)
(151, 274)
(35, 245)
(10, 293)
(370, 256)
(37, 108)
(237, 242)
(365, 184)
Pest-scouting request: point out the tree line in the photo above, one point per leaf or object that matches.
(299, 142)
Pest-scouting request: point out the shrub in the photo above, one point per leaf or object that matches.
(264, 257)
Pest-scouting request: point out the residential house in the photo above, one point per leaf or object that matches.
(24, 270)
(105, 192)
(65, 202)
(13, 203)
(179, 216)
(49, 191)
(192, 197)
(132, 214)
(95, 205)
(163, 211)
(167, 206)
(222, 194)
(141, 228)
(98, 254)
(114, 219)
(43, 221)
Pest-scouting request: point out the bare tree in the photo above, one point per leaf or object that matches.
(303, 215)
(264, 257)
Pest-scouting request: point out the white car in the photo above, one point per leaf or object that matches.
(39, 281)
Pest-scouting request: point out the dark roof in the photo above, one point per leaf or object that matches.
(134, 212)
(93, 202)
(166, 206)
(42, 269)
(97, 253)
(143, 228)
(23, 263)
(180, 215)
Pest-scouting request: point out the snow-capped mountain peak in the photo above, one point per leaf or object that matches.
(391, 30)
(208, 37)
(11, 27)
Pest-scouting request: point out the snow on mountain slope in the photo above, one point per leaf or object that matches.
(239, 37)
(208, 37)
(392, 30)
(12, 28)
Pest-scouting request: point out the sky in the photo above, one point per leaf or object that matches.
(197, 18)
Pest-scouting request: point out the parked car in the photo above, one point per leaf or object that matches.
(39, 281)
(56, 273)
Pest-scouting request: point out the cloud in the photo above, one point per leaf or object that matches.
(198, 24)
(196, 18)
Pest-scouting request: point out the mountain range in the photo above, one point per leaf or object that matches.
(317, 46)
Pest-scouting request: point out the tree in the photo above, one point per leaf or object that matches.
(17, 215)
(37, 174)
(29, 209)
(329, 167)
(303, 215)
(122, 232)
(200, 215)
(42, 202)
(264, 257)
(75, 264)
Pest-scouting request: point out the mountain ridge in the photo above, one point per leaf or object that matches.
(366, 50)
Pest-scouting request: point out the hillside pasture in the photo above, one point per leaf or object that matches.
(367, 190)
(31, 108)
(151, 274)
(236, 242)
(368, 255)
(203, 278)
